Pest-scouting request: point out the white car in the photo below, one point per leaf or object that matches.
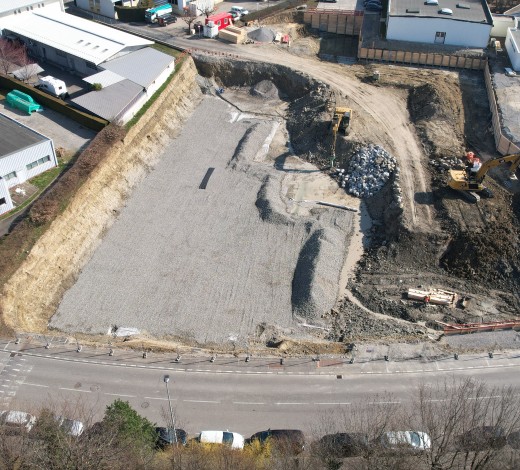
(239, 10)
(414, 439)
(72, 427)
(232, 439)
(17, 420)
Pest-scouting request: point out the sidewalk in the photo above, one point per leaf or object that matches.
(61, 349)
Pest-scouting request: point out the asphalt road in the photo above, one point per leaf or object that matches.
(244, 400)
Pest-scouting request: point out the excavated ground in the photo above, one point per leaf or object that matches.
(425, 118)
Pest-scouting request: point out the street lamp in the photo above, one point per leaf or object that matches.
(172, 427)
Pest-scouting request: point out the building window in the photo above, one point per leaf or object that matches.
(440, 37)
(10, 176)
(39, 162)
(2, 201)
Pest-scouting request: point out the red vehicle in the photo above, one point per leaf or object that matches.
(222, 20)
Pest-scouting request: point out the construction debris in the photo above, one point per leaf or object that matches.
(451, 328)
(433, 296)
(369, 169)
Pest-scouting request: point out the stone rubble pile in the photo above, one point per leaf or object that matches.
(447, 163)
(369, 169)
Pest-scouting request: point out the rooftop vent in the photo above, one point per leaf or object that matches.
(446, 11)
(431, 2)
(464, 6)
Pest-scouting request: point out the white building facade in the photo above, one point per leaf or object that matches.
(448, 22)
(24, 153)
(513, 47)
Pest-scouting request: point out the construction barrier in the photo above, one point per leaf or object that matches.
(464, 328)
(346, 22)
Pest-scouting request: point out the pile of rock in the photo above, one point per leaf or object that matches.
(447, 163)
(369, 169)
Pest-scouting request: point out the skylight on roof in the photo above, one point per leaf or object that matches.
(413, 10)
(446, 11)
(464, 6)
(431, 2)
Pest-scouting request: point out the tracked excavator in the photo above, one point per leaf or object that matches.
(469, 181)
(340, 123)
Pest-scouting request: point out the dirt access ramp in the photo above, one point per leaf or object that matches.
(32, 294)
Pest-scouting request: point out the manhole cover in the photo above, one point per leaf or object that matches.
(145, 404)
(94, 388)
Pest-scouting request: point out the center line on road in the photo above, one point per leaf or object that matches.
(295, 403)
(75, 390)
(340, 403)
(36, 385)
(385, 403)
(157, 398)
(201, 401)
(247, 403)
(119, 395)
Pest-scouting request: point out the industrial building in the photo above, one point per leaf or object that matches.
(24, 153)
(465, 23)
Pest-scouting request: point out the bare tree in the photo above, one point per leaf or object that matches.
(11, 53)
(189, 17)
(207, 7)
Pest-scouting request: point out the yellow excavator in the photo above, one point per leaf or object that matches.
(469, 180)
(340, 123)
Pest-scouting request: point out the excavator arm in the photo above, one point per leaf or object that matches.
(513, 158)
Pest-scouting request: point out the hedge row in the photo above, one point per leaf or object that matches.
(87, 120)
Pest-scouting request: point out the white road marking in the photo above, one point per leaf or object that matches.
(5, 347)
(247, 403)
(201, 401)
(120, 395)
(384, 403)
(295, 403)
(75, 390)
(156, 398)
(339, 403)
(35, 385)
(484, 398)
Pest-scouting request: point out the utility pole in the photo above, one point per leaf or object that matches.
(172, 426)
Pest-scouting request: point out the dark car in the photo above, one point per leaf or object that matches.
(341, 445)
(482, 437)
(291, 439)
(166, 20)
(513, 440)
(165, 437)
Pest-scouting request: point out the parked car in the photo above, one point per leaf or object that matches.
(292, 439)
(166, 20)
(232, 439)
(414, 440)
(73, 427)
(482, 437)
(17, 421)
(341, 445)
(240, 10)
(165, 437)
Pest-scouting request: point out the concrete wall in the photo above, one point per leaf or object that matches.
(458, 33)
(501, 23)
(513, 51)
(18, 162)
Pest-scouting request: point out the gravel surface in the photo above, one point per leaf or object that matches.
(490, 340)
(211, 264)
(262, 35)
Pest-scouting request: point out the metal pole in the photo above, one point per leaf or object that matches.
(166, 380)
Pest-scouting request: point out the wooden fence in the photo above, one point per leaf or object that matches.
(421, 58)
(346, 22)
(503, 143)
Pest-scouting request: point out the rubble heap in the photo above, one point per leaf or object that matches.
(368, 171)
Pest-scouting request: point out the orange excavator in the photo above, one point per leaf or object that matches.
(469, 181)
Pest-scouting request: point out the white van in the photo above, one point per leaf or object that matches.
(240, 11)
(53, 86)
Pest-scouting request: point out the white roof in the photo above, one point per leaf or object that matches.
(106, 78)
(11, 5)
(76, 36)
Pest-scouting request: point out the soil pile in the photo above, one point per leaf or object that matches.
(265, 89)
(262, 35)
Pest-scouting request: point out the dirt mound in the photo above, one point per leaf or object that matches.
(438, 114)
(265, 89)
(262, 35)
(268, 210)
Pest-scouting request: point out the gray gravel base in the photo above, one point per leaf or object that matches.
(490, 340)
(209, 264)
